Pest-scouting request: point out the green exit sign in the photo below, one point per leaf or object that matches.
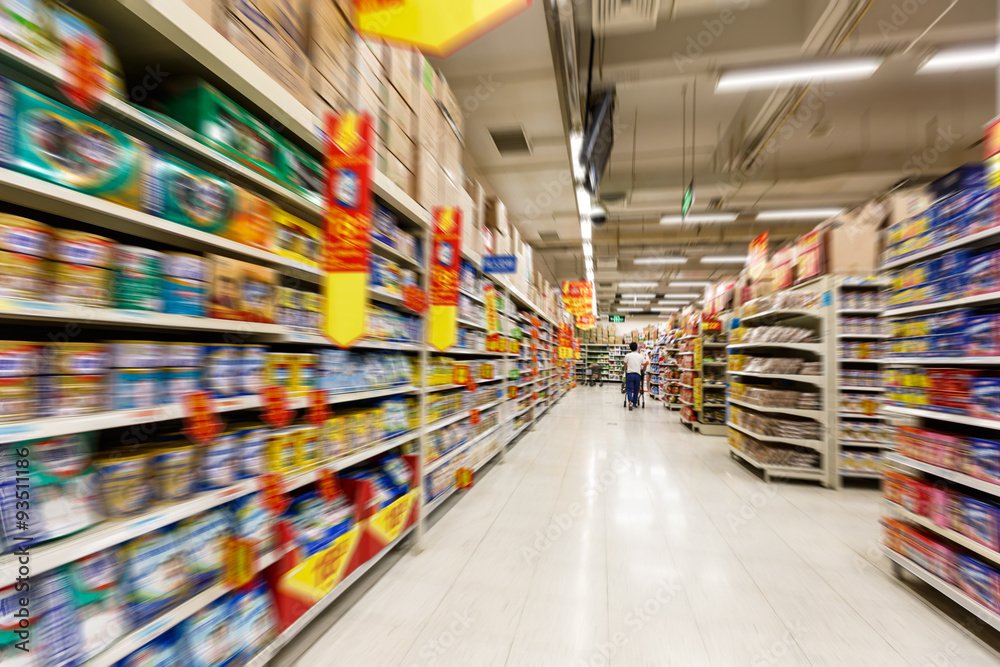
(617, 319)
(688, 199)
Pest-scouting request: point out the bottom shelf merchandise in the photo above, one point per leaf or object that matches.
(786, 456)
(868, 463)
(713, 415)
(950, 509)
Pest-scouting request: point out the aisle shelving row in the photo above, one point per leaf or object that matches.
(294, 469)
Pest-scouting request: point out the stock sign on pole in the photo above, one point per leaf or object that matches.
(444, 277)
(347, 225)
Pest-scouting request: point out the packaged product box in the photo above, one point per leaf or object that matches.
(428, 180)
(296, 238)
(400, 72)
(291, 16)
(488, 243)
(44, 139)
(399, 111)
(210, 10)
(496, 216)
(852, 247)
(223, 125)
(450, 155)
(187, 195)
(301, 172)
(253, 223)
(905, 204)
(429, 121)
(263, 43)
(399, 144)
(399, 174)
(240, 290)
(326, 72)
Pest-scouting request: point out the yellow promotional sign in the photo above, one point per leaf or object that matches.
(492, 320)
(316, 577)
(697, 394)
(390, 522)
(436, 27)
(444, 277)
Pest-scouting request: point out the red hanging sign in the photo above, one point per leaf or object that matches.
(201, 423)
(586, 322)
(276, 411)
(319, 408)
(474, 417)
(414, 299)
(347, 225)
(81, 82)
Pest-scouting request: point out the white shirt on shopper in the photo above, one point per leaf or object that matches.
(633, 363)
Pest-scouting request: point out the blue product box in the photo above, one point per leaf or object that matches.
(967, 177)
(983, 338)
(384, 226)
(980, 521)
(220, 370)
(184, 297)
(984, 459)
(979, 581)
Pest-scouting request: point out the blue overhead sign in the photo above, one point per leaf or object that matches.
(494, 264)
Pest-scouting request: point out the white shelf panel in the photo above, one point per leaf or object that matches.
(44, 196)
(859, 474)
(714, 363)
(943, 361)
(863, 444)
(447, 421)
(860, 361)
(389, 252)
(859, 415)
(815, 348)
(980, 237)
(818, 415)
(472, 325)
(855, 388)
(860, 311)
(947, 533)
(783, 314)
(990, 488)
(472, 295)
(951, 304)
(817, 380)
(954, 593)
(811, 444)
(864, 336)
(983, 422)
(779, 471)
(468, 353)
(713, 385)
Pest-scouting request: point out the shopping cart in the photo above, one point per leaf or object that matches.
(642, 390)
(593, 376)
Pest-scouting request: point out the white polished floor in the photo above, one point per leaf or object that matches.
(617, 538)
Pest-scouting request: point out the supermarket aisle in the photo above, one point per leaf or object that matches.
(616, 538)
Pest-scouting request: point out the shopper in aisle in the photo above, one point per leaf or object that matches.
(635, 366)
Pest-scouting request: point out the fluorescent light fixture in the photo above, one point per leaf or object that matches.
(575, 148)
(638, 296)
(583, 202)
(800, 214)
(660, 260)
(950, 60)
(660, 309)
(690, 283)
(675, 302)
(665, 317)
(586, 230)
(588, 250)
(723, 259)
(796, 73)
(680, 296)
(719, 216)
(631, 310)
(638, 285)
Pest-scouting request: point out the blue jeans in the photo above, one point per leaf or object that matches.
(632, 383)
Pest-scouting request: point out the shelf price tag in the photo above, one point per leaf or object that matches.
(460, 374)
(238, 562)
(276, 411)
(272, 491)
(464, 477)
(414, 298)
(471, 384)
(319, 409)
(474, 418)
(511, 393)
(201, 423)
(327, 484)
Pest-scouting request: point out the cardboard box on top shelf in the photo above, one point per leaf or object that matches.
(399, 174)
(265, 47)
(450, 152)
(400, 112)
(429, 122)
(399, 144)
(908, 203)
(496, 216)
(428, 180)
(853, 244)
(489, 244)
(401, 73)
(291, 16)
(210, 10)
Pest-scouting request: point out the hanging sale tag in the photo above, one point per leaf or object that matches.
(414, 298)
(326, 482)
(347, 225)
(238, 562)
(474, 417)
(272, 493)
(471, 384)
(319, 408)
(81, 82)
(444, 277)
(492, 319)
(276, 411)
(463, 478)
(201, 423)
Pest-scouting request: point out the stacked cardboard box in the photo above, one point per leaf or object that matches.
(271, 33)
(332, 71)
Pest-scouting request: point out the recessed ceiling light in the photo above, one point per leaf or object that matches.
(638, 285)
(950, 60)
(660, 260)
(796, 73)
(723, 259)
(690, 283)
(800, 214)
(698, 217)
